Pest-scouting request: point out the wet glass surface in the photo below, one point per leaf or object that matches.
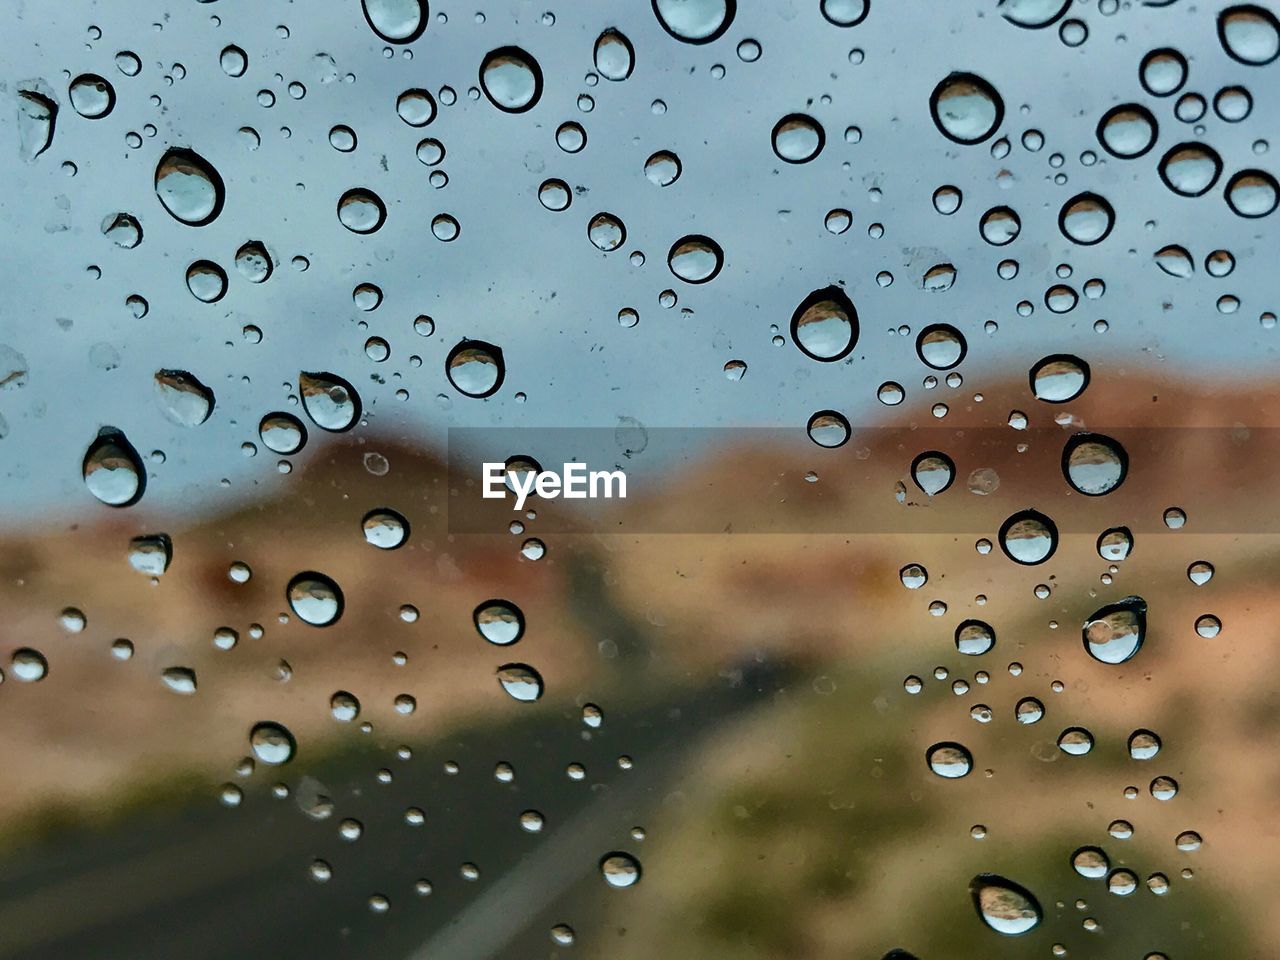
(936, 344)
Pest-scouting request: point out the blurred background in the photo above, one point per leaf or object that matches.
(739, 670)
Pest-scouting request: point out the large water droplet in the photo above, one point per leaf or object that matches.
(416, 107)
(1115, 544)
(825, 325)
(949, 760)
(1086, 219)
(695, 259)
(331, 402)
(282, 432)
(941, 346)
(179, 680)
(385, 528)
(396, 21)
(846, 13)
(620, 870)
(1059, 378)
(1091, 863)
(974, 638)
(966, 108)
(828, 428)
(151, 554)
(798, 138)
(189, 187)
(1143, 744)
(1032, 13)
(37, 116)
(1190, 169)
(475, 368)
(183, 399)
(28, 665)
(499, 621)
(361, 210)
(614, 55)
(1114, 633)
(1249, 34)
(1029, 537)
(1252, 193)
(1093, 464)
(695, 21)
(662, 168)
(91, 96)
(123, 230)
(315, 598)
(933, 472)
(1004, 906)
(606, 232)
(511, 79)
(1127, 131)
(521, 681)
(113, 470)
(1163, 72)
(272, 743)
(1175, 261)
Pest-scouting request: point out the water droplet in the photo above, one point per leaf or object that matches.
(234, 61)
(396, 21)
(1143, 744)
(282, 432)
(113, 470)
(1252, 193)
(933, 472)
(1127, 131)
(511, 79)
(825, 325)
(385, 528)
(1188, 841)
(1208, 626)
(999, 226)
(344, 706)
(416, 107)
(184, 400)
(342, 138)
(662, 168)
(974, 638)
(1086, 219)
(521, 681)
(151, 554)
(444, 227)
(845, 13)
(1114, 633)
(189, 187)
(827, 428)
(315, 598)
(1004, 906)
(949, 760)
(606, 232)
(179, 679)
(475, 368)
(1075, 741)
(966, 108)
(798, 138)
(1093, 464)
(361, 210)
(1190, 169)
(28, 665)
(555, 195)
(890, 393)
(331, 402)
(1175, 261)
(614, 55)
(91, 96)
(499, 621)
(1091, 863)
(1029, 537)
(1163, 72)
(1028, 710)
(272, 743)
(941, 346)
(913, 576)
(1033, 13)
(1249, 34)
(1059, 378)
(695, 259)
(1114, 544)
(695, 21)
(253, 262)
(620, 869)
